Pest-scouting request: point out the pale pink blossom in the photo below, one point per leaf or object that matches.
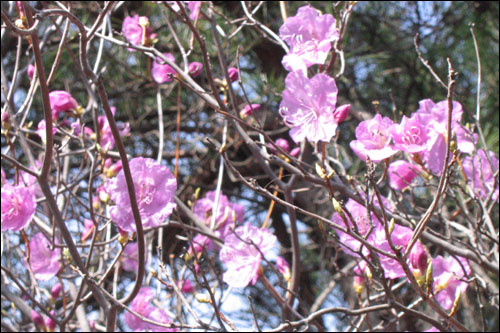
(310, 37)
(130, 257)
(241, 256)
(44, 261)
(283, 268)
(163, 72)
(18, 206)
(88, 228)
(309, 106)
(142, 305)
(373, 139)
(481, 174)
(193, 7)
(42, 130)
(448, 274)
(411, 135)
(135, 33)
(401, 174)
(155, 188)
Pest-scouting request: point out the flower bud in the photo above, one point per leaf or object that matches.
(418, 257)
(341, 113)
(283, 144)
(295, 152)
(248, 110)
(37, 318)
(49, 323)
(31, 71)
(56, 290)
(358, 284)
(233, 74)
(283, 268)
(195, 68)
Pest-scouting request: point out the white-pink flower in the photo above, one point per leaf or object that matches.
(241, 255)
(142, 305)
(309, 107)
(448, 274)
(44, 261)
(309, 36)
(155, 188)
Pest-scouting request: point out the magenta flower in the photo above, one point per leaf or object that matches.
(411, 135)
(161, 71)
(155, 188)
(373, 139)
(142, 305)
(60, 101)
(107, 138)
(44, 262)
(193, 7)
(400, 237)
(51, 325)
(130, 257)
(241, 256)
(195, 68)
(447, 279)
(401, 174)
(309, 36)
(136, 30)
(186, 286)
(480, 173)
(295, 152)
(308, 107)
(233, 74)
(18, 206)
(248, 110)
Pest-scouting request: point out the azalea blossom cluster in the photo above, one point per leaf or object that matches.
(423, 137)
(309, 104)
(243, 246)
(448, 273)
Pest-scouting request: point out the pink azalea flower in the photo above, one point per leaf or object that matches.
(480, 173)
(162, 72)
(447, 275)
(308, 107)
(401, 174)
(142, 305)
(107, 138)
(248, 110)
(374, 234)
(135, 33)
(55, 292)
(295, 152)
(60, 101)
(130, 257)
(18, 206)
(89, 229)
(195, 68)
(203, 208)
(155, 188)
(37, 318)
(309, 36)
(44, 262)
(41, 131)
(373, 139)
(242, 258)
(410, 136)
(434, 117)
(51, 325)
